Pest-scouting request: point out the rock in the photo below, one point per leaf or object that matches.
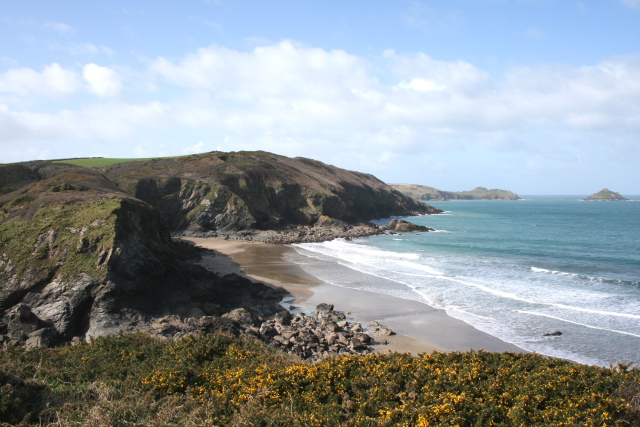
(405, 226)
(326, 312)
(364, 338)
(605, 195)
(379, 329)
(45, 337)
(284, 318)
(242, 317)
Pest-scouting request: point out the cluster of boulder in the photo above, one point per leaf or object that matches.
(308, 337)
(21, 325)
(314, 338)
(322, 232)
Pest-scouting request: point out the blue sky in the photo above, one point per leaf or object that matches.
(534, 96)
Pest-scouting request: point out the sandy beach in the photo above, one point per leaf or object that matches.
(419, 328)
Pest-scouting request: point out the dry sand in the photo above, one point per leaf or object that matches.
(419, 327)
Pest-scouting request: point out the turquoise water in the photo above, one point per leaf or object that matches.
(515, 269)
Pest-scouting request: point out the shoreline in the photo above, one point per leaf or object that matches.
(419, 327)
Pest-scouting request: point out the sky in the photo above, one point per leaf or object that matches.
(532, 96)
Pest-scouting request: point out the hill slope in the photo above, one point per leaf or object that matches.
(605, 195)
(423, 192)
(88, 251)
(257, 190)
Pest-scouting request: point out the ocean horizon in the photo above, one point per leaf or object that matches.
(552, 274)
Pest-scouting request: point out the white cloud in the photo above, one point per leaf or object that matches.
(288, 98)
(363, 114)
(102, 122)
(103, 81)
(422, 85)
(60, 27)
(632, 3)
(52, 81)
(82, 49)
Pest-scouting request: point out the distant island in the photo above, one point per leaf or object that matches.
(423, 192)
(605, 195)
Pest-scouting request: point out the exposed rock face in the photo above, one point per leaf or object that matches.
(225, 192)
(82, 257)
(605, 195)
(405, 226)
(423, 192)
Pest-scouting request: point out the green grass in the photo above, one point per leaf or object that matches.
(98, 162)
(217, 380)
(81, 233)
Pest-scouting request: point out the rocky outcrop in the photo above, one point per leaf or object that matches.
(425, 193)
(87, 252)
(309, 337)
(605, 195)
(405, 226)
(230, 192)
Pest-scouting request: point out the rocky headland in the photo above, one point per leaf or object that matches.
(86, 252)
(425, 193)
(605, 195)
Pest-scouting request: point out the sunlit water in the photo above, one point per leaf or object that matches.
(515, 269)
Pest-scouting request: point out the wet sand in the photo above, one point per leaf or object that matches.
(419, 327)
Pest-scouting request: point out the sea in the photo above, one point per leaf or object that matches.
(518, 270)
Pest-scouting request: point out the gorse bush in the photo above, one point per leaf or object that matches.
(217, 380)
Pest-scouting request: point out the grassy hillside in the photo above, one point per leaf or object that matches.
(216, 380)
(423, 192)
(605, 194)
(97, 162)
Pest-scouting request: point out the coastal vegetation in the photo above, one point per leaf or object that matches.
(87, 244)
(217, 380)
(425, 193)
(606, 195)
(98, 162)
(87, 251)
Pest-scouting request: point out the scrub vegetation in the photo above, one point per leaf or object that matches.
(217, 380)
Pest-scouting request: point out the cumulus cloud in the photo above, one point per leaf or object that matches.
(330, 104)
(51, 81)
(287, 95)
(103, 81)
(102, 122)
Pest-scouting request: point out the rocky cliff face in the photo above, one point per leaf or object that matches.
(257, 190)
(86, 252)
(79, 257)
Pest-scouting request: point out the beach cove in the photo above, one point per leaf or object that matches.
(419, 328)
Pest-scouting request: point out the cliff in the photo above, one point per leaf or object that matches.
(257, 191)
(87, 252)
(423, 192)
(605, 195)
